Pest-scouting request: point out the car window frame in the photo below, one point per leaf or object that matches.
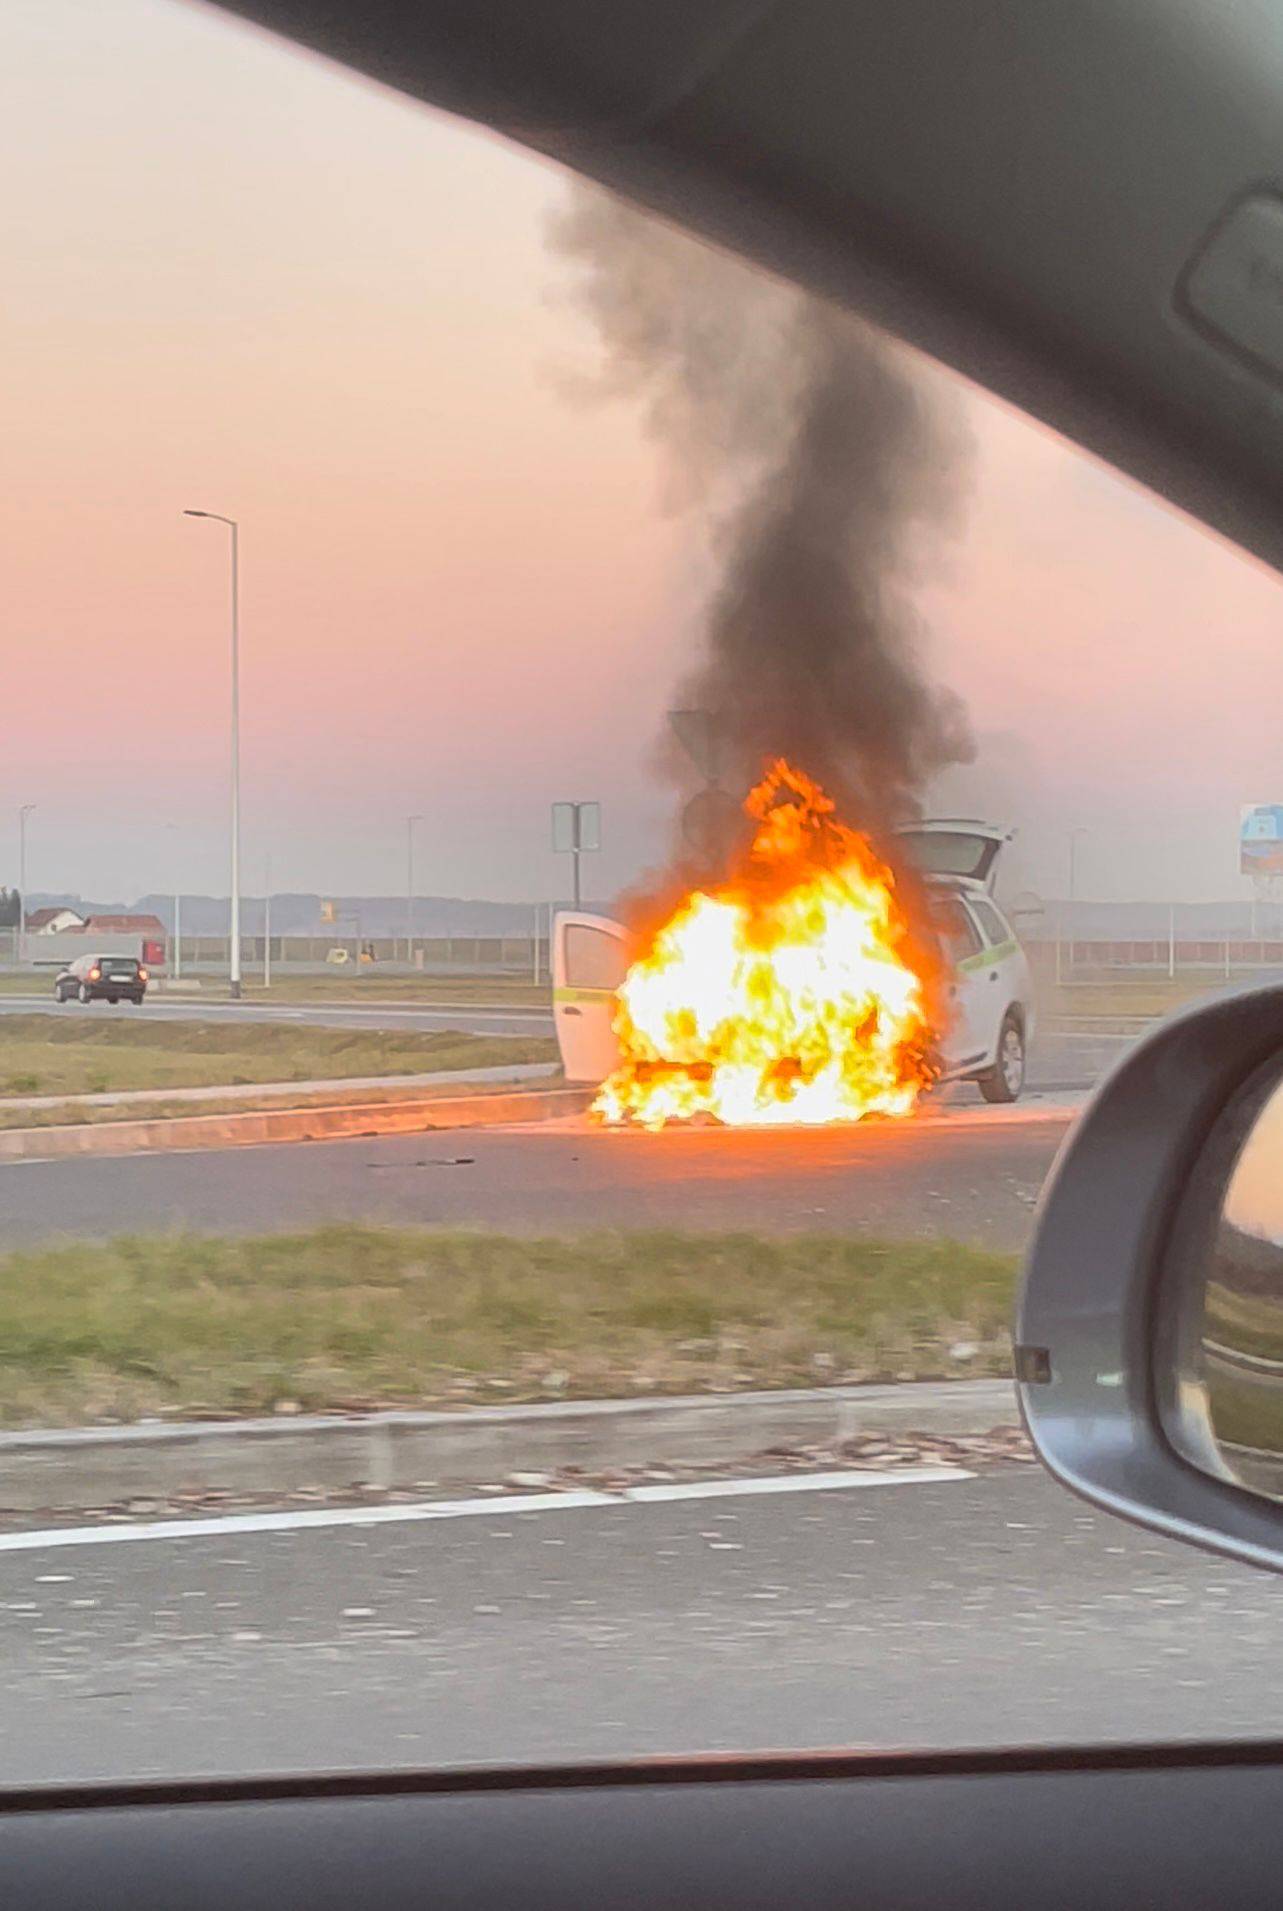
(576, 930)
(976, 905)
(953, 899)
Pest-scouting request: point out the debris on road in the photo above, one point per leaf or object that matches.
(876, 1452)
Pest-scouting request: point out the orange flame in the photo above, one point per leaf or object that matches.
(795, 991)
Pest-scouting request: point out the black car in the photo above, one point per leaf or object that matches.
(110, 978)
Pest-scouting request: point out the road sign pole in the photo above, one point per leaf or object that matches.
(576, 830)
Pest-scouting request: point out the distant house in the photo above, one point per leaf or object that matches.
(53, 922)
(149, 926)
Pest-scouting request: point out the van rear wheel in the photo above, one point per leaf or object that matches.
(1006, 1079)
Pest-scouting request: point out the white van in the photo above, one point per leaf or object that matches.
(992, 988)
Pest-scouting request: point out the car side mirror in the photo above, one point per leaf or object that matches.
(1149, 1338)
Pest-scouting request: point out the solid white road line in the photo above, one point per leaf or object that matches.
(797, 1483)
(225, 1525)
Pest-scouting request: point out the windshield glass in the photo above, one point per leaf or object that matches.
(528, 1273)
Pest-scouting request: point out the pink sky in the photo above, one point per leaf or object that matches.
(239, 280)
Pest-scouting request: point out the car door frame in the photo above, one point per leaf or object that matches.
(583, 1016)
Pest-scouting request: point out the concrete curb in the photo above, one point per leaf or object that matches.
(102, 1466)
(507, 1075)
(290, 1124)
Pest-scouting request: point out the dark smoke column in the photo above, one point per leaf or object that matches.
(827, 479)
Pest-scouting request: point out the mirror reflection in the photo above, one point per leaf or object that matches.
(1241, 1343)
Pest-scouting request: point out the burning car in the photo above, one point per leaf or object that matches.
(797, 989)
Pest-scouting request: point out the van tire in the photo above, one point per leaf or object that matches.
(83, 995)
(1005, 1081)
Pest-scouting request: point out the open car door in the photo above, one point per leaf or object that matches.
(589, 961)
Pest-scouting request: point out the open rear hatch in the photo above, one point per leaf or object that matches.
(956, 846)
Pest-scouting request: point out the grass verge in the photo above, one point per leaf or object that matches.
(361, 1317)
(1150, 996)
(118, 1049)
(427, 990)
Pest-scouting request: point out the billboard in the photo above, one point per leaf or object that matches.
(1260, 839)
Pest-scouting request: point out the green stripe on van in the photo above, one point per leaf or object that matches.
(583, 995)
(999, 951)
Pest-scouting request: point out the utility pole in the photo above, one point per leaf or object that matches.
(267, 922)
(410, 822)
(234, 939)
(177, 966)
(1074, 834)
(24, 812)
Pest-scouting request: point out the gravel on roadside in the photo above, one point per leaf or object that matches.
(876, 1452)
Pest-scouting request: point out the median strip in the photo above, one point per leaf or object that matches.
(330, 1121)
(98, 1052)
(353, 1355)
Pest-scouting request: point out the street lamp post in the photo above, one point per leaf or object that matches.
(24, 812)
(267, 922)
(234, 951)
(410, 822)
(1079, 830)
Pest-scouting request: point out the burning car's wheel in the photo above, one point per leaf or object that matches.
(1006, 1078)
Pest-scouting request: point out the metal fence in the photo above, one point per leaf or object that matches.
(1226, 958)
(524, 956)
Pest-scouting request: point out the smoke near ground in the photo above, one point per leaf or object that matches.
(827, 478)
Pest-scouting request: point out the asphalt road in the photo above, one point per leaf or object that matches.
(991, 1611)
(969, 1173)
(495, 1019)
